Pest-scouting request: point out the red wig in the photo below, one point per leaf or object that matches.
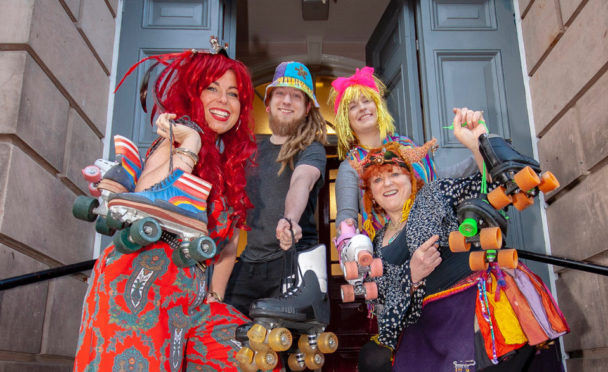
(178, 90)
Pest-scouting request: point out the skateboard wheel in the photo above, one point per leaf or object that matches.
(123, 244)
(490, 238)
(101, 226)
(145, 231)
(257, 333)
(458, 242)
(351, 270)
(328, 342)
(314, 360)
(180, 260)
(364, 258)
(305, 346)
(468, 227)
(548, 182)
(245, 355)
(348, 293)
(114, 223)
(477, 261)
(371, 291)
(91, 173)
(507, 258)
(280, 339)
(296, 362)
(526, 179)
(498, 198)
(522, 201)
(202, 249)
(376, 268)
(266, 360)
(83, 208)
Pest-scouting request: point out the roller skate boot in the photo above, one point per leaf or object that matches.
(482, 227)
(519, 175)
(177, 205)
(123, 176)
(302, 311)
(356, 260)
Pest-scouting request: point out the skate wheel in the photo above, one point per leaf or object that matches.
(548, 182)
(468, 227)
(348, 293)
(248, 367)
(458, 242)
(180, 259)
(257, 333)
(371, 291)
(351, 270)
(259, 346)
(145, 231)
(305, 346)
(498, 198)
(266, 360)
(364, 258)
(328, 342)
(123, 244)
(477, 261)
(83, 208)
(314, 360)
(522, 201)
(202, 249)
(296, 362)
(91, 173)
(279, 339)
(114, 223)
(245, 355)
(507, 258)
(526, 179)
(101, 226)
(490, 238)
(93, 190)
(376, 268)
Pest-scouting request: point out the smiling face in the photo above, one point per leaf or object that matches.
(390, 188)
(287, 108)
(362, 115)
(221, 102)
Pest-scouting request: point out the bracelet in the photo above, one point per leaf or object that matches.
(188, 153)
(187, 162)
(214, 295)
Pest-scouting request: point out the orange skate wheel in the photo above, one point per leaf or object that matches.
(257, 333)
(351, 270)
(295, 363)
(498, 198)
(327, 342)
(458, 242)
(526, 179)
(477, 261)
(259, 346)
(522, 201)
(348, 293)
(305, 346)
(245, 355)
(314, 360)
(371, 290)
(364, 258)
(548, 182)
(490, 238)
(266, 360)
(507, 258)
(376, 268)
(279, 339)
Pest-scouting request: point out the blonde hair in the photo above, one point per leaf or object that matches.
(346, 137)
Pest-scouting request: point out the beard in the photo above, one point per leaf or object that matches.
(284, 128)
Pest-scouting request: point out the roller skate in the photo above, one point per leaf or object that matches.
(355, 253)
(520, 176)
(301, 312)
(482, 227)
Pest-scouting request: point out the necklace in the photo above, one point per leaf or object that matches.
(397, 230)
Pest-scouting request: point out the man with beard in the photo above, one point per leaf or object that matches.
(283, 187)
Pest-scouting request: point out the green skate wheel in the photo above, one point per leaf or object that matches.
(114, 223)
(180, 260)
(123, 244)
(468, 227)
(83, 208)
(145, 231)
(202, 249)
(101, 226)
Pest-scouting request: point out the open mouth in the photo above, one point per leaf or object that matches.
(219, 114)
(390, 193)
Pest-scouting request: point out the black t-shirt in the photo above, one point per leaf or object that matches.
(267, 192)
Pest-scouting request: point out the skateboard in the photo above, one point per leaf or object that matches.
(357, 263)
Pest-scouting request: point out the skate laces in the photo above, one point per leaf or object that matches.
(184, 120)
(290, 267)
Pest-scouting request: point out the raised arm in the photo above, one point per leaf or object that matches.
(347, 194)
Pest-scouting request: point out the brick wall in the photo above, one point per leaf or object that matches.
(566, 43)
(55, 62)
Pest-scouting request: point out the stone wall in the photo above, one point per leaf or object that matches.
(566, 43)
(55, 63)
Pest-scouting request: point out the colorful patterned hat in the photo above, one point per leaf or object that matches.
(292, 75)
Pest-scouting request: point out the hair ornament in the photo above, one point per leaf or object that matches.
(363, 76)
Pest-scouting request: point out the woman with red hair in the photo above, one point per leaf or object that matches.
(142, 310)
